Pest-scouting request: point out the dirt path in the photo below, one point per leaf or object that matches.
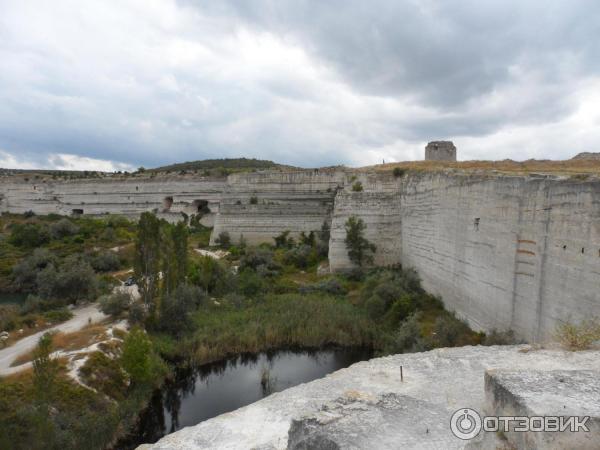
(81, 318)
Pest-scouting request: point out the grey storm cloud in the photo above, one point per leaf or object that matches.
(301, 82)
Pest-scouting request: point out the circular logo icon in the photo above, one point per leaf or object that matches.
(465, 423)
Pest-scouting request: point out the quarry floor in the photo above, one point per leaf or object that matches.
(367, 405)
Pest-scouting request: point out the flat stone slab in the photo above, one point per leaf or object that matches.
(369, 397)
(535, 393)
(388, 422)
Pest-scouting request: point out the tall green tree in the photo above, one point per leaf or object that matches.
(360, 250)
(323, 242)
(147, 257)
(179, 234)
(174, 256)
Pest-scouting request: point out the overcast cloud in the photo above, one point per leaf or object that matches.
(114, 85)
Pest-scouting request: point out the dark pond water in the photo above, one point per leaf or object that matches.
(207, 391)
(12, 297)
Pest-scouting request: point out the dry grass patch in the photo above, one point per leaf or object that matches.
(578, 336)
(76, 340)
(567, 167)
(23, 376)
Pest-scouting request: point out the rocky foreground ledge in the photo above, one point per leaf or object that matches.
(367, 405)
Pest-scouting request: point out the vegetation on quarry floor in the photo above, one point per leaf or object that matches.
(193, 309)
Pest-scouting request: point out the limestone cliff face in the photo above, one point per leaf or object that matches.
(503, 252)
(104, 196)
(519, 252)
(260, 206)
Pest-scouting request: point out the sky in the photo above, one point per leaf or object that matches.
(114, 85)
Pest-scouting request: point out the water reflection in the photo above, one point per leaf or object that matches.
(197, 394)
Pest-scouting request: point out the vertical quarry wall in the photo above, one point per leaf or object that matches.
(503, 252)
(105, 196)
(259, 206)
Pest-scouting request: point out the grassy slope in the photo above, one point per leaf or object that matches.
(567, 167)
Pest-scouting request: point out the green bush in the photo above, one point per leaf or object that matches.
(250, 283)
(330, 286)
(105, 375)
(401, 309)
(376, 307)
(109, 235)
(9, 317)
(25, 272)
(29, 235)
(283, 240)
(140, 361)
(257, 257)
(254, 200)
(115, 304)
(309, 239)
(450, 331)
(177, 307)
(223, 240)
(137, 314)
(106, 262)
(408, 338)
(31, 304)
(496, 337)
(399, 172)
(210, 275)
(301, 256)
(58, 315)
(357, 186)
(63, 228)
(73, 280)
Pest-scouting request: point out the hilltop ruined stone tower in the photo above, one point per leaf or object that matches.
(440, 151)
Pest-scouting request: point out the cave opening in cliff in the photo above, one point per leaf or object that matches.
(77, 212)
(201, 206)
(167, 203)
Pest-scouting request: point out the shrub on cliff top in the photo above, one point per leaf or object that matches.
(357, 186)
(399, 172)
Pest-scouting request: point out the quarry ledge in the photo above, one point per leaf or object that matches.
(369, 404)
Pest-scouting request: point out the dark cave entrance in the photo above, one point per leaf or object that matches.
(201, 206)
(167, 203)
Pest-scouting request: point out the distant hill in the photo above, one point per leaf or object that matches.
(225, 164)
(587, 155)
